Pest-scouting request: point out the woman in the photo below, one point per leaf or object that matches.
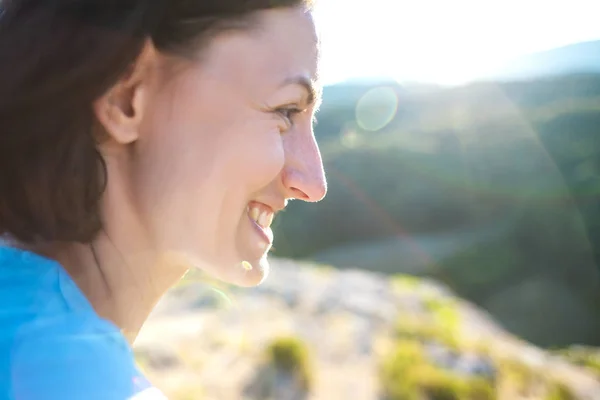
(139, 139)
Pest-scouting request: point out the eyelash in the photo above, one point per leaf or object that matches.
(287, 113)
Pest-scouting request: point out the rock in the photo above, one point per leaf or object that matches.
(157, 358)
(364, 334)
(441, 356)
(345, 316)
(467, 364)
(272, 384)
(475, 365)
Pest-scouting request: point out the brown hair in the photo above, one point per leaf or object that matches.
(56, 58)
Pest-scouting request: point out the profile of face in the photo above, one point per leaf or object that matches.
(220, 146)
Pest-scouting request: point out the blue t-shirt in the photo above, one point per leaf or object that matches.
(53, 345)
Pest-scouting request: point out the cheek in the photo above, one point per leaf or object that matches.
(190, 171)
(257, 155)
(177, 181)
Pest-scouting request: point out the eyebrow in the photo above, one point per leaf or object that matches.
(314, 91)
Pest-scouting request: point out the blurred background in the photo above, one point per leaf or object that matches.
(457, 253)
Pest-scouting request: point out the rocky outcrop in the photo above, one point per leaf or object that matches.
(217, 334)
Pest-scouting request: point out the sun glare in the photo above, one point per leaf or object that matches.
(439, 41)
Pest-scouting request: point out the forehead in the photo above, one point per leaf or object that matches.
(283, 45)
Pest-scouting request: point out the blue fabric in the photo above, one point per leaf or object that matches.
(53, 345)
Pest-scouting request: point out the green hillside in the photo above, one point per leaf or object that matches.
(491, 188)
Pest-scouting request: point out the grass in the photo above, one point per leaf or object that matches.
(436, 384)
(442, 323)
(396, 367)
(520, 377)
(404, 282)
(583, 356)
(406, 374)
(441, 326)
(445, 312)
(292, 355)
(481, 389)
(559, 391)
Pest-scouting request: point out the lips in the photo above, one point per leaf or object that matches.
(261, 214)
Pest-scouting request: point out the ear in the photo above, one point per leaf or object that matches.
(121, 109)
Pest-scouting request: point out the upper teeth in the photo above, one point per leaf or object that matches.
(262, 217)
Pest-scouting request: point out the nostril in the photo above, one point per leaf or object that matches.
(308, 186)
(299, 194)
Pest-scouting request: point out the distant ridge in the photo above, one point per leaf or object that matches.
(581, 57)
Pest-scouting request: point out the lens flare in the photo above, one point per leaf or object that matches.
(376, 108)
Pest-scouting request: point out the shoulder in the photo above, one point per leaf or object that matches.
(53, 345)
(73, 357)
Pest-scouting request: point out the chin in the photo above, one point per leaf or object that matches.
(254, 276)
(237, 272)
(229, 271)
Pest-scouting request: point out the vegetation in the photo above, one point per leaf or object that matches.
(445, 312)
(409, 371)
(405, 282)
(423, 331)
(560, 392)
(509, 172)
(427, 357)
(406, 374)
(521, 378)
(291, 354)
(584, 356)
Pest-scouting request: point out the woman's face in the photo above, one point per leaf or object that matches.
(226, 142)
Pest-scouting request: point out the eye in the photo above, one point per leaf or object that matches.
(288, 113)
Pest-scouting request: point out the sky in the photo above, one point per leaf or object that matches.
(443, 41)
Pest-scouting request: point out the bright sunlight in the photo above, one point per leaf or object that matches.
(439, 41)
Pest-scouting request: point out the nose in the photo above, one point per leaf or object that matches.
(303, 175)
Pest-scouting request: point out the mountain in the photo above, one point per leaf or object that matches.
(581, 57)
(489, 187)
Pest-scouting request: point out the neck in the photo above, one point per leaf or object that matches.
(120, 271)
(123, 287)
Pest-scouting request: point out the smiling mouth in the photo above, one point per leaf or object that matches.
(261, 214)
(261, 217)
